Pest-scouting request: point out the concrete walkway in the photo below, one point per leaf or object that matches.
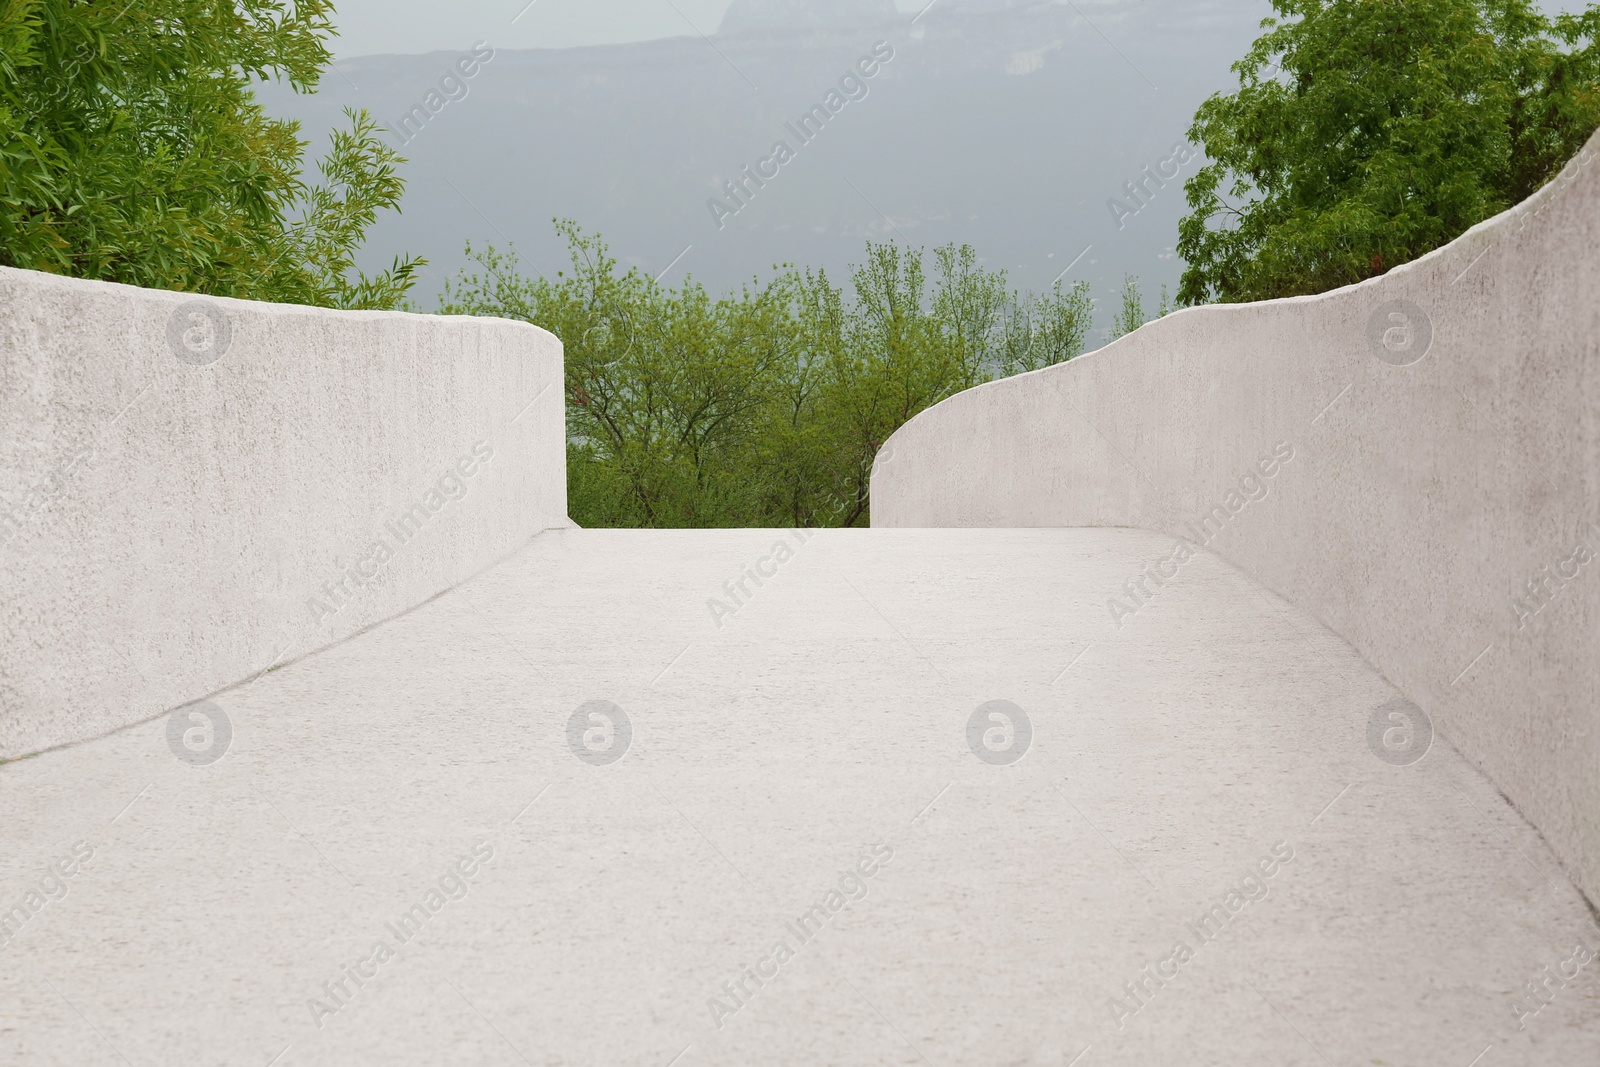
(1186, 839)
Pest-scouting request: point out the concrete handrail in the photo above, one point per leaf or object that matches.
(194, 489)
(1413, 460)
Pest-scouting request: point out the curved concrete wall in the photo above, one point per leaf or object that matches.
(192, 490)
(1438, 508)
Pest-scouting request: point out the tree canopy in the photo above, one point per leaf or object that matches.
(765, 407)
(132, 150)
(1366, 133)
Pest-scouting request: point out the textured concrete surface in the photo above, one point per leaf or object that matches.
(192, 490)
(1441, 510)
(819, 740)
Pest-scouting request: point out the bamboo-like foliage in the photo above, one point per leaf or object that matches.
(132, 150)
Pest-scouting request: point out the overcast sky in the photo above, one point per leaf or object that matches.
(368, 27)
(643, 183)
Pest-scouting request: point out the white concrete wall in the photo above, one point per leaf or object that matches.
(1442, 461)
(181, 478)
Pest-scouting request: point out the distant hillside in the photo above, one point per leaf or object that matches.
(1006, 125)
(805, 14)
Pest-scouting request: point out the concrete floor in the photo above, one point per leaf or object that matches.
(821, 732)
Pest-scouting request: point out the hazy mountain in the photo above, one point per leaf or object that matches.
(805, 14)
(1006, 125)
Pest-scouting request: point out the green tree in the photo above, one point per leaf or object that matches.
(1131, 315)
(969, 308)
(132, 150)
(1366, 133)
(1044, 330)
(669, 391)
(767, 407)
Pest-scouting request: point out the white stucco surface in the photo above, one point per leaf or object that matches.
(824, 723)
(1440, 508)
(194, 490)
